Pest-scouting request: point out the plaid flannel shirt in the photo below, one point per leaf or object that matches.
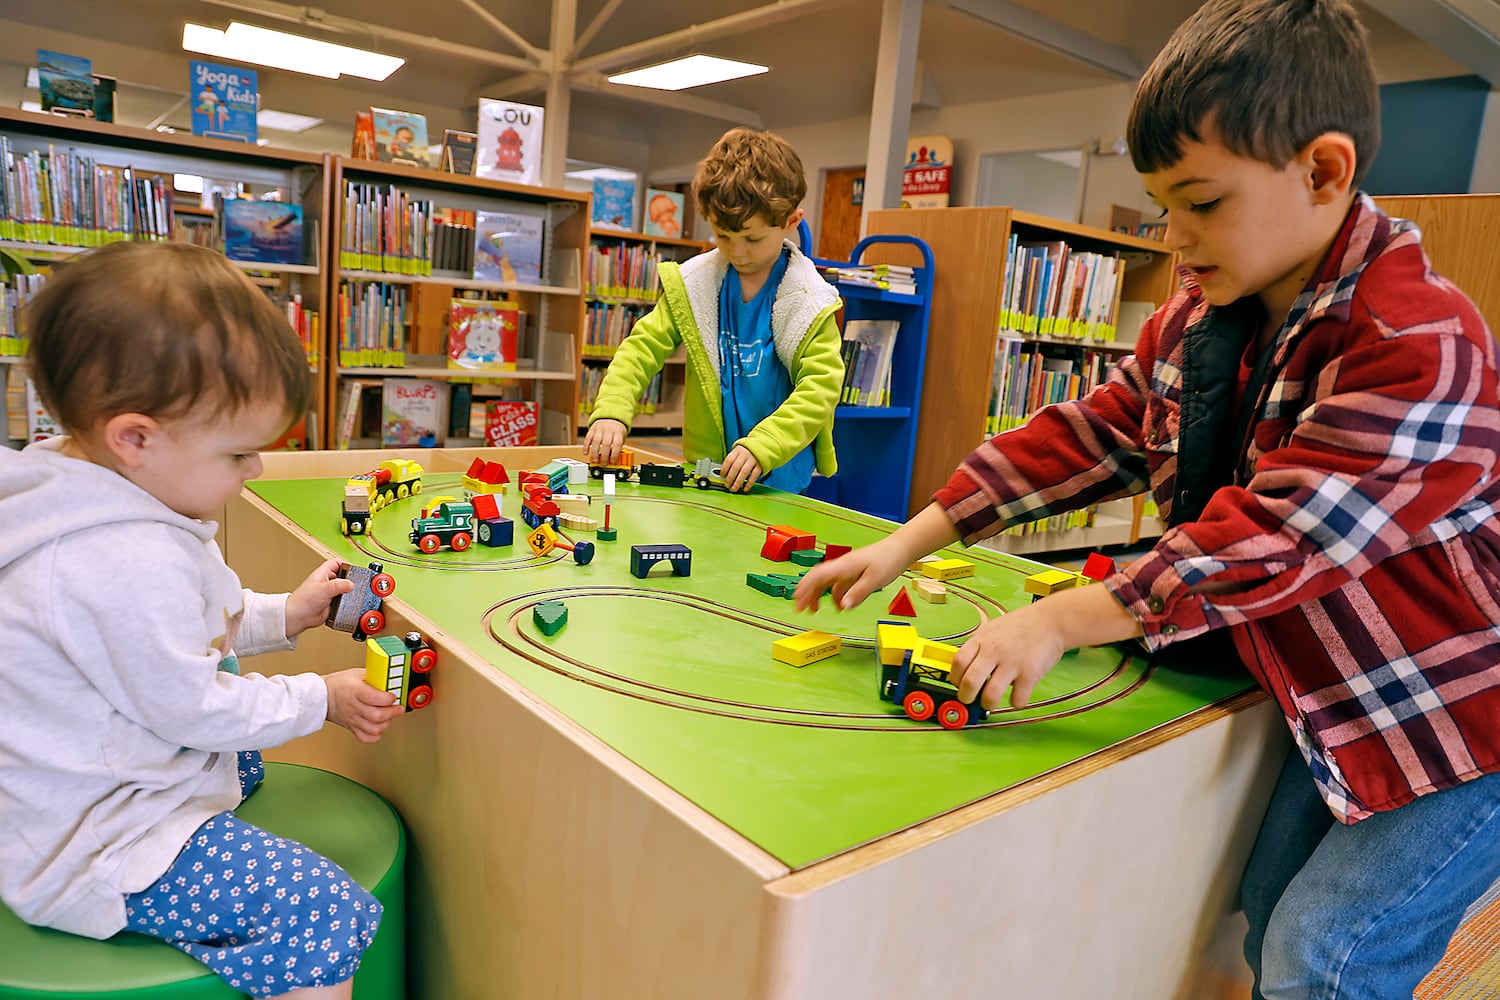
(1359, 529)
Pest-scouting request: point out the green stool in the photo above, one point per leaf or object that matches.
(340, 819)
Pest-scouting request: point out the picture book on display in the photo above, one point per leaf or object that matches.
(225, 101)
(510, 422)
(482, 335)
(268, 232)
(65, 82)
(664, 213)
(509, 147)
(414, 411)
(363, 145)
(458, 151)
(614, 203)
(400, 137)
(508, 248)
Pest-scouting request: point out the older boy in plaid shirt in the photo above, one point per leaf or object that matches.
(1316, 414)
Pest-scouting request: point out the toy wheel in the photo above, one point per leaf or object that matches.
(918, 705)
(344, 527)
(403, 491)
(382, 585)
(424, 660)
(416, 487)
(419, 697)
(702, 482)
(355, 528)
(429, 543)
(953, 715)
(371, 621)
(583, 553)
(461, 541)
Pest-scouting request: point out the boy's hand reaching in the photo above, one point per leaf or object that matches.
(363, 710)
(740, 469)
(853, 576)
(604, 440)
(308, 605)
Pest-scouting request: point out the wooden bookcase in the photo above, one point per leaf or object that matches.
(299, 177)
(548, 368)
(668, 412)
(969, 252)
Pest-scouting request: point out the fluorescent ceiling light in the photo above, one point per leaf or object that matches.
(283, 121)
(689, 71)
(279, 50)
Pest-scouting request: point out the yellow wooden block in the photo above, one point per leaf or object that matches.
(948, 569)
(893, 639)
(934, 655)
(808, 647)
(916, 567)
(931, 591)
(1050, 582)
(578, 503)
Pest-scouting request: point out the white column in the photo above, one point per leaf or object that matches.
(890, 111)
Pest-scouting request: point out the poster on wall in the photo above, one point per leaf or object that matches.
(929, 172)
(510, 142)
(225, 101)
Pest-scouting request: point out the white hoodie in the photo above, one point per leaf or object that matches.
(120, 704)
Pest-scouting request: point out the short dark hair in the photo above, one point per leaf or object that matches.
(749, 172)
(157, 328)
(1268, 76)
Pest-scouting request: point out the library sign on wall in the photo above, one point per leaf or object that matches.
(929, 172)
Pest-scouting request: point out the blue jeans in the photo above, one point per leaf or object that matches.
(1363, 912)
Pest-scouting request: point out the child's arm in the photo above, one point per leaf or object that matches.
(818, 374)
(353, 703)
(856, 575)
(308, 605)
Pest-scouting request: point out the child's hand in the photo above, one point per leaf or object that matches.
(604, 440)
(740, 469)
(308, 605)
(363, 710)
(1013, 651)
(853, 576)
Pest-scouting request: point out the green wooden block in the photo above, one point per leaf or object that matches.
(767, 583)
(550, 616)
(807, 557)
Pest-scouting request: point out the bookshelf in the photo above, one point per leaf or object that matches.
(86, 151)
(620, 286)
(876, 444)
(414, 295)
(969, 250)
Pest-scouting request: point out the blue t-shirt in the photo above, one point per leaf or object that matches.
(753, 379)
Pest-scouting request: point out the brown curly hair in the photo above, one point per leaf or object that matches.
(749, 172)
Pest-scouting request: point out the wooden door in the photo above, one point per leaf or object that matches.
(838, 230)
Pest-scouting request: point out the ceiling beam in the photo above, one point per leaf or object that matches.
(559, 99)
(597, 83)
(587, 35)
(1039, 29)
(313, 17)
(680, 41)
(1466, 31)
(513, 36)
(890, 110)
(510, 87)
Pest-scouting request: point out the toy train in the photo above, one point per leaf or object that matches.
(706, 474)
(402, 667)
(914, 674)
(360, 610)
(368, 492)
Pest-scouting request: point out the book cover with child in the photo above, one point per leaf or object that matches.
(400, 137)
(482, 335)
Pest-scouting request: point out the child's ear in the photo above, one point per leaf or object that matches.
(128, 436)
(793, 219)
(1330, 160)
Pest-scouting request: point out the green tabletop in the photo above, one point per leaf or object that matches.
(676, 672)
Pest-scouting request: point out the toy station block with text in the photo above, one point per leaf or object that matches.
(947, 569)
(643, 557)
(807, 647)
